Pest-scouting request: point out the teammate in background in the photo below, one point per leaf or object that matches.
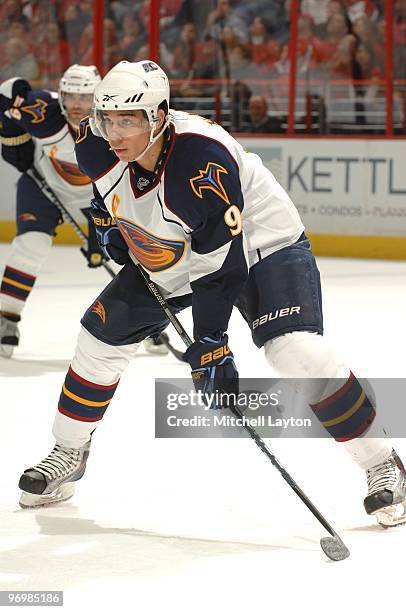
(38, 128)
(214, 229)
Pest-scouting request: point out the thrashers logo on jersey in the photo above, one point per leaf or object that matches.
(154, 253)
(98, 309)
(210, 179)
(37, 110)
(68, 171)
(82, 130)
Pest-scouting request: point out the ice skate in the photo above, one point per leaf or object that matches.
(9, 334)
(155, 346)
(53, 479)
(386, 497)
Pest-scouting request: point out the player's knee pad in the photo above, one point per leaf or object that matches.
(29, 251)
(304, 355)
(333, 392)
(99, 362)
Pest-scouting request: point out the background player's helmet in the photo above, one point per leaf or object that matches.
(131, 86)
(77, 79)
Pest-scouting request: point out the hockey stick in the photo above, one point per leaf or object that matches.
(67, 217)
(333, 546)
(35, 176)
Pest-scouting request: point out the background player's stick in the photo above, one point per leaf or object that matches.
(67, 217)
(333, 546)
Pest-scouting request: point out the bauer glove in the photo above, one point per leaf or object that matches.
(213, 369)
(17, 146)
(108, 235)
(18, 151)
(93, 253)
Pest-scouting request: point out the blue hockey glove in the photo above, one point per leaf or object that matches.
(18, 151)
(108, 235)
(17, 146)
(213, 368)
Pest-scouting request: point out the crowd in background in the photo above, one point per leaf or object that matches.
(242, 43)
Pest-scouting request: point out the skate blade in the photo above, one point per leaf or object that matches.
(62, 493)
(391, 516)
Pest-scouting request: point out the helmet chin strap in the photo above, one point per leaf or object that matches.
(152, 139)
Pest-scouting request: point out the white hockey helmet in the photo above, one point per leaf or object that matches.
(133, 86)
(77, 79)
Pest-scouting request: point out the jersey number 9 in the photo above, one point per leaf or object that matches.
(232, 217)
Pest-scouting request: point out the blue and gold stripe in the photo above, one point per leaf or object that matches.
(346, 414)
(17, 284)
(83, 400)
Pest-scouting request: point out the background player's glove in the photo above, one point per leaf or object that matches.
(213, 367)
(19, 151)
(17, 147)
(94, 255)
(108, 235)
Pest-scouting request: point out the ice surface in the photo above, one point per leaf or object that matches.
(194, 524)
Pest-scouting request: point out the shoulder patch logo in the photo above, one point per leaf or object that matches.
(82, 130)
(210, 178)
(98, 309)
(37, 110)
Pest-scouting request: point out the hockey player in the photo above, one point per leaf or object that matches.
(38, 128)
(214, 229)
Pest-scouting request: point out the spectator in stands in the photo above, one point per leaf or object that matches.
(120, 8)
(222, 16)
(371, 100)
(43, 11)
(133, 36)
(19, 61)
(317, 10)
(74, 23)
(228, 39)
(185, 53)
(53, 54)
(338, 50)
(86, 8)
(365, 57)
(259, 121)
(366, 30)
(334, 7)
(241, 66)
(309, 46)
(112, 54)
(265, 51)
(17, 29)
(11, 10)
(207, 65)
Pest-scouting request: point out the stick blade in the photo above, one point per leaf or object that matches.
(334, 548)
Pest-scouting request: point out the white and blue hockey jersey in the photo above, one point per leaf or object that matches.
(208, 213)
(39, 114)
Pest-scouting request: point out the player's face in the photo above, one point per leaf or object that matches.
(127, 132)
(77, 106)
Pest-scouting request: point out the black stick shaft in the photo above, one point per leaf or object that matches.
(165, 306)
(251, 431)
(48, 193)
